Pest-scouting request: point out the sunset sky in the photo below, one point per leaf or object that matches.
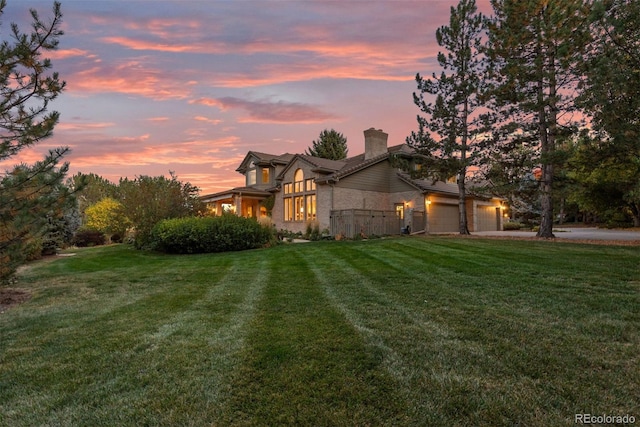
(192, 86)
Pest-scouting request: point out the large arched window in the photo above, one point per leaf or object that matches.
(298, 181)
(300, 198)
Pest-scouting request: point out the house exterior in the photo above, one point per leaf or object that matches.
(362, 194)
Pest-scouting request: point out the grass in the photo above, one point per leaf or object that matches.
(412, 331)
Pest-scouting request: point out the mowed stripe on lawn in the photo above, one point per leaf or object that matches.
(463, 341)
(305, 364)
(159, 350)
(403, 331)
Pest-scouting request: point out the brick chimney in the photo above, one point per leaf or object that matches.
(375, 143)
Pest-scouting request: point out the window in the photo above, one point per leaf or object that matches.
(310, 185)
(311, 207)
(298, 180)
(400, 210)
(288, 209)
(452, 179)
(299, 208)
(251, 177)
(265, 175)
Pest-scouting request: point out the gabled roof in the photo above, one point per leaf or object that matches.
(357, 163)
(334, 170)
(263, 159)
(320, 165)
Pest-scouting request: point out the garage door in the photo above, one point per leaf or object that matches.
(488, 217)
(443, 218)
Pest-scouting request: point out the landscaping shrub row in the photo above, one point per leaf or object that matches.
(88, 237)
(209, 234)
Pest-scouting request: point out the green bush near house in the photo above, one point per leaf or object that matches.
(512, 225)
(209, 234)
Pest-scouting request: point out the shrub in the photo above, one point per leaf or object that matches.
(617, 219)
(33, 249)
(512, 225)
(87, 237)
(209, 234)
(312, 231)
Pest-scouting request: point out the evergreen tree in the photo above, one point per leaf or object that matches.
(329, 145)
(611, 96)
(607, 179)
(28, 193)
(534, 47)
(447, 138)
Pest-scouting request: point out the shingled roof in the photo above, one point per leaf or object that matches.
(264, 159)
(357, 163)
(334, 170)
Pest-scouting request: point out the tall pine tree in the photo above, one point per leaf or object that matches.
(446, 139)
(535, 47)
(611, 96)
(28, 193)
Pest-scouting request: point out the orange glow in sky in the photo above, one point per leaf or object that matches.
(191, 86)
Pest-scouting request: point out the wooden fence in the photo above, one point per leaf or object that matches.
(353, 222)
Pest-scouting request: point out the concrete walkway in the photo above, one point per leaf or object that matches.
(573, 233)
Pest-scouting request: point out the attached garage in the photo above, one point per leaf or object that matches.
(488, 218)
(443, 218)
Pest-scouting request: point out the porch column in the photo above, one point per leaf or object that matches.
(238, 203)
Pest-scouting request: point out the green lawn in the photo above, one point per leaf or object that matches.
(406, 331)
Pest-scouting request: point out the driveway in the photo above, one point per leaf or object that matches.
(573, 233)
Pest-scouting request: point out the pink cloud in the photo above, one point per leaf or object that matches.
(269, 111)
(137, 44)
(70, 53)
(207, 120)
(131, 77)
(81, 127)
(142, 151)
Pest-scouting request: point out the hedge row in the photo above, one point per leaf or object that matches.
(88, 237)
(209, 234)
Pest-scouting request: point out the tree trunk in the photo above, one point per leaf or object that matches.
(462, 205)
(462, 174)
(548, 120)
(546, 222)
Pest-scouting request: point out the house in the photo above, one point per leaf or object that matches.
(361, 194)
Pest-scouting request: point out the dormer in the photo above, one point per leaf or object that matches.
(260, 170)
